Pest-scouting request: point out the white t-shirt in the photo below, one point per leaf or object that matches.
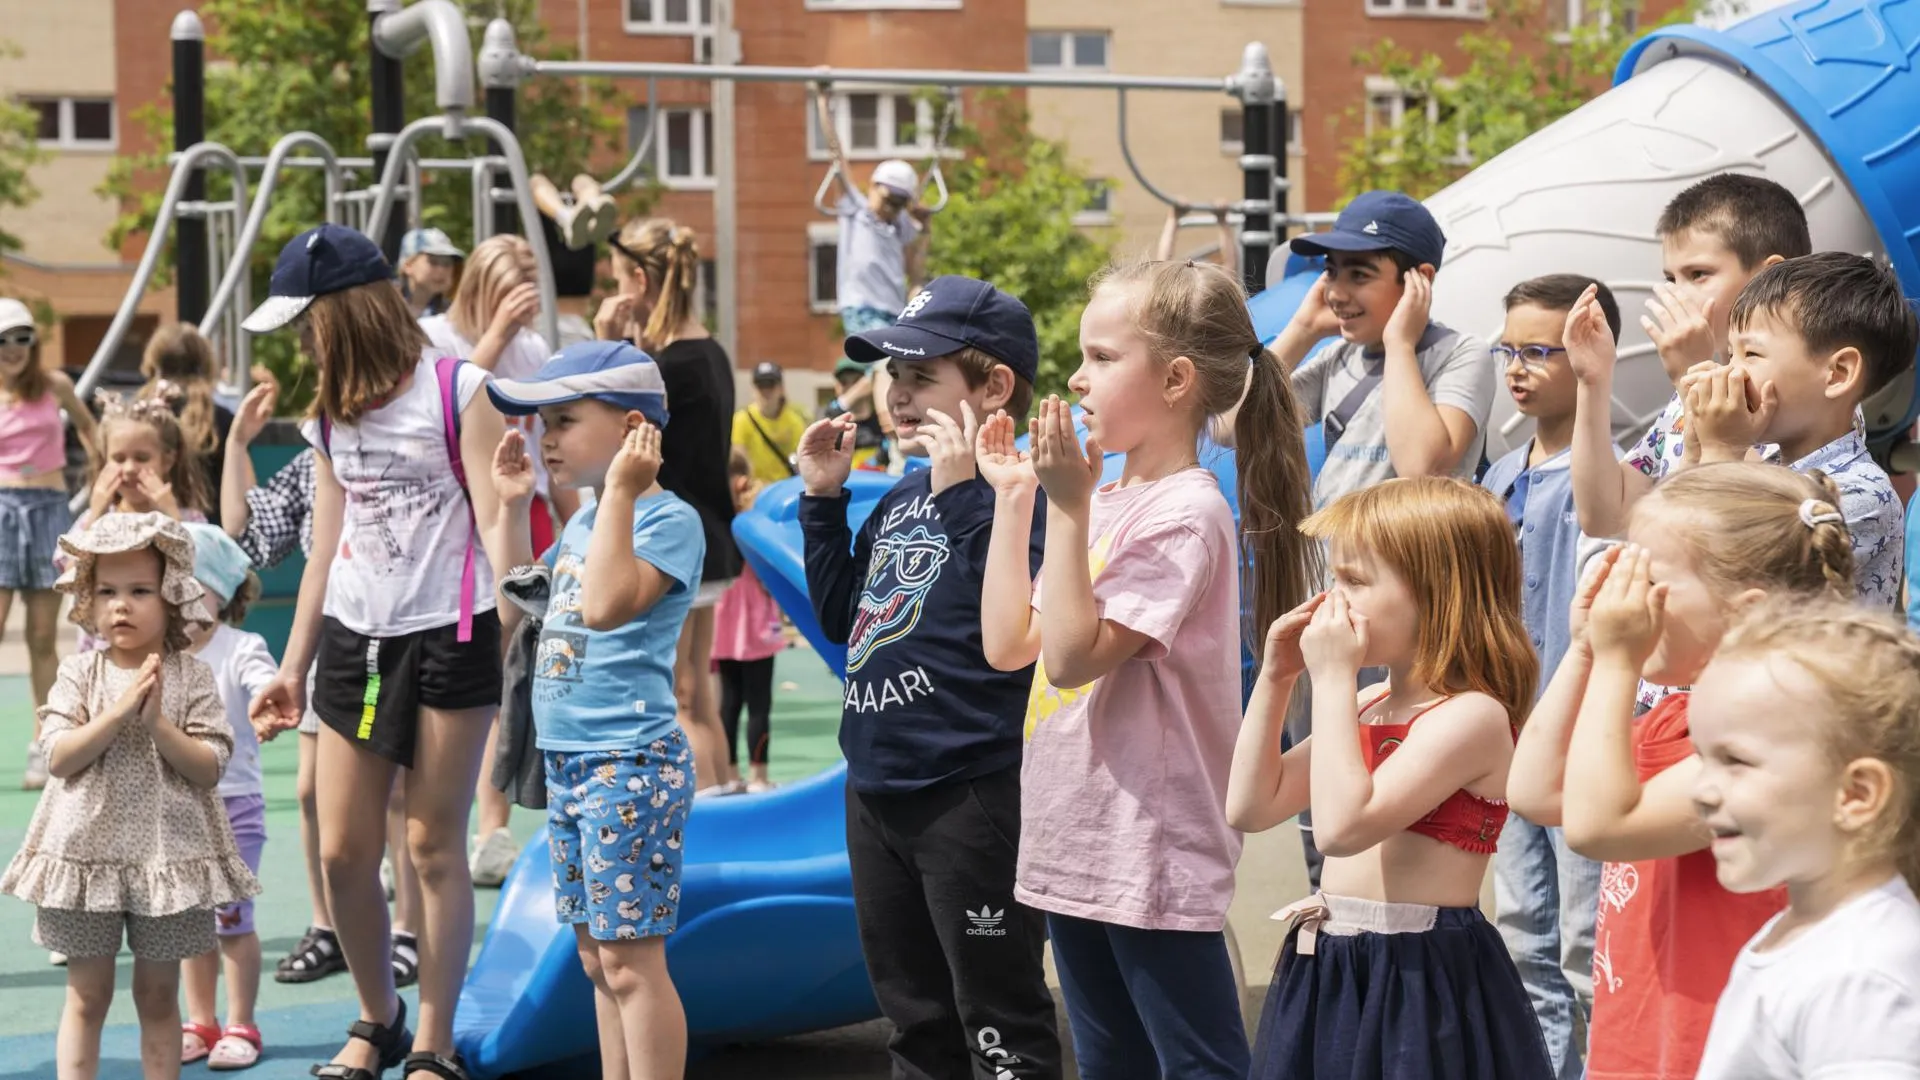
(242, 667)
(1841, 1000)
(407, 522)
(521, 359)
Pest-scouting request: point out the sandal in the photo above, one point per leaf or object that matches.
(406, 960)
(426, 1061)
(205, 1034)
(391, 1040)
(239, 1048)
(316, 957)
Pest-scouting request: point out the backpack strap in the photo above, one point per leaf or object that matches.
(447, 370)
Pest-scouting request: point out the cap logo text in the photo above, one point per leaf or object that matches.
(1372, 229)
(917, 303)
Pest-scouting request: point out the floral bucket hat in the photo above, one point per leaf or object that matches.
(115, 533)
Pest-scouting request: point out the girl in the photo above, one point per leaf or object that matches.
(33, 497)
(1808, 728)
(1130, 729)
(1703, 545)
(178, 365)
(242, 667)
(407, 643)
(129, 834)
(657, 265)
(1393, 963)
(747, 636)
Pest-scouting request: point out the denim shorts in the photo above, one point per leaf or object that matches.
(615, 825)
(31, 521)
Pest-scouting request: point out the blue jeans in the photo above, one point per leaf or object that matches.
(1149, 1004)
(1546, 898)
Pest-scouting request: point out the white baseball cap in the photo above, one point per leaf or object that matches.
(14, 315)
(897, 176)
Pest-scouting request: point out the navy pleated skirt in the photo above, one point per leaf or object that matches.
(1399, 992)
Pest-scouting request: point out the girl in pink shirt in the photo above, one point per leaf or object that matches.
(1124, 842)
(747, 635)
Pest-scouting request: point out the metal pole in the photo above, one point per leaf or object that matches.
(726, 175)
(1282, 186)
(192, 263)
(1257, 90)
(871, 76)
(389, 116)
(502, 105)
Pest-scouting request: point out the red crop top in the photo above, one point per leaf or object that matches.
(1465, 820)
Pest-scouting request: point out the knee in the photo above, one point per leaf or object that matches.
(629, 967)
(156, 996)
(590, 962)
(347, 856)
(305, 790)
(438, 854)
(91, 1000)
(42, 638)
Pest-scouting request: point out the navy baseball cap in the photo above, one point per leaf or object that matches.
(950, 314)
(327, 259)
(610, 371)
(1376, 221)
(766, 373)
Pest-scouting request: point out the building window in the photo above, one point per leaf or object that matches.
(1388, 107)
(683, 147)
(74, 123)
(1294, 145)
(878, 124)
(1067, 50)
(668, 16)
(1099, 207)
(1233, 131)
(823, 267)
(1443, 8)
(1603, 14)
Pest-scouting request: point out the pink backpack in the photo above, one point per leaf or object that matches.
(446, 370)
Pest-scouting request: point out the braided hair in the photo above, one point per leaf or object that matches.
(1752, 525)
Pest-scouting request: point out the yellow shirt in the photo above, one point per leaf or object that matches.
(782, 431)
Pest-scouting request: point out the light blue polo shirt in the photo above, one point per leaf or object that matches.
(1541, 498)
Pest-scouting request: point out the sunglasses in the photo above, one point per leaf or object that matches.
(22, 338)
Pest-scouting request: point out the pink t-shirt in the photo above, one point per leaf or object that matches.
(1123, 790)
(746, 621)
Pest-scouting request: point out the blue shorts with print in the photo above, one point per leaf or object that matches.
(615, 820)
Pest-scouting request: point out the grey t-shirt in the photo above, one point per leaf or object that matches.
(873, 257)
(1458, 370)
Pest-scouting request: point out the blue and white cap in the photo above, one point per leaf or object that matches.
(610, 371)
(322, 260)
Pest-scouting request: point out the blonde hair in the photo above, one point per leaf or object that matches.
(183, 357)
(670, 256)
(365, 341)
(1199, 311)
(1744, 529)
(1867, 667)
(1451, 542)
(497, 266)
(153, 409)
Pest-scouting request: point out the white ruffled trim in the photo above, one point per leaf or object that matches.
(46, 880)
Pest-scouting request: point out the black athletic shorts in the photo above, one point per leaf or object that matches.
(371, 690)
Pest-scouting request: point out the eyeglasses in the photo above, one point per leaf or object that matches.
(21, 338)
(1532, 357)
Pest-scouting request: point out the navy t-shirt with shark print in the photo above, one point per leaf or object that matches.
(922, 705)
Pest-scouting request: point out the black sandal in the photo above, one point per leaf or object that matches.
(406, 960)
(317, 956)
(426, 1061)
(391, 1040)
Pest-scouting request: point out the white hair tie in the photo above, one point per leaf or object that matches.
(1811, 513)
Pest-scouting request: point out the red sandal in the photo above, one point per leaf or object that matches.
(239, 1048)
(206, 1033)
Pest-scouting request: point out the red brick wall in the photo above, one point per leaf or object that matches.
(143, 64)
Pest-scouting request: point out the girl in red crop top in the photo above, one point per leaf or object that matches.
(33, 497)
(1393, 963)
(1705, 544)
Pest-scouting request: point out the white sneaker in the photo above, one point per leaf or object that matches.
(493, 857)
(386, 877)
(36, 774)
(756, 787)
(57, 959)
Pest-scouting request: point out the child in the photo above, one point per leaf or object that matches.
(931, 733)
(747, 636)
(1705, 544)
(856, 400)
(403, 632)
(178, 365)
(1426, 583)
(1135, 619)
(33, 492)
(242, 666)
(1808, 728)
(1715, 236)
(1544, 893)
(768, 430)
(620, 776)
(129, 837)
(429, 269)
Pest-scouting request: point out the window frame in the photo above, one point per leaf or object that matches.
(64, 138)
(699, 21)
(823, 234)
(1382, 87)
(1102, 215)
(700, 132)
(886, 124)
(1068, 39)
(884, 5)
(1434, 9)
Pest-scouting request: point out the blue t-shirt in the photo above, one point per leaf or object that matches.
(613, 689)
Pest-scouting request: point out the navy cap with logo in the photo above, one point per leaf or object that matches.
(610, 371)
(327, 259)
(950, 314)
(1376, 221)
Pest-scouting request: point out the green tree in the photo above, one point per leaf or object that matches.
(1009, 220)
(278, 66)
(1507, 90)
(19, 153)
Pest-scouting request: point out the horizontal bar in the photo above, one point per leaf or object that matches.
(876, 76)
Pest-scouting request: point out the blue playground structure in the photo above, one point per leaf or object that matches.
(1819, 95)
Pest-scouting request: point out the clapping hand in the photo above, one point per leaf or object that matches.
(1067, 474)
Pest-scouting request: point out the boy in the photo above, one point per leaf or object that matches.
(1714, 237)
(1545, 894)
(768, 430)
(1400, 396)
(428, 266)
(619, 772)
(856, 399)
(931, 733)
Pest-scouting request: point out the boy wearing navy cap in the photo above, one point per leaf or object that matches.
(1400, 395)
(620, 776)
(931, 732)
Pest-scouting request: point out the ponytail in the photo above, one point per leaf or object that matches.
(1756, 525)
(181, 359)
(670, 256)
(1279, 563)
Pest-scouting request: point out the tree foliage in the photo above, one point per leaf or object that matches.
(279, 66)
(1009, 220)
(1508, 89)
(19, 153)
